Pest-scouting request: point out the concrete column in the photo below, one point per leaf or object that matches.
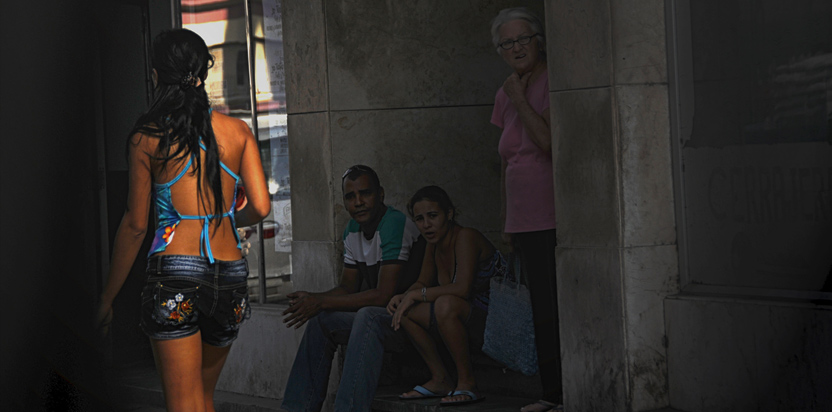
(315, 266)
(613, 187)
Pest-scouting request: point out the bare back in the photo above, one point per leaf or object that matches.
(234, 139)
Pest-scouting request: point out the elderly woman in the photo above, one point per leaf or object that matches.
(521, 110)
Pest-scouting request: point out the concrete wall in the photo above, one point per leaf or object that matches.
(745, 355)
(616, 256)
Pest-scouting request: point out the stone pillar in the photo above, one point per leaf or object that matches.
(616, 257)
(314, 249)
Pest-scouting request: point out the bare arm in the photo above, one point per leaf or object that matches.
(427, 275)
(536, 125)
(133, 227)
(258, 204)
(379, 296)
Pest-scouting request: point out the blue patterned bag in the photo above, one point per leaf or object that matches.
(509, 325)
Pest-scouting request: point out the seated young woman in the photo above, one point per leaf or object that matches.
(451, 291)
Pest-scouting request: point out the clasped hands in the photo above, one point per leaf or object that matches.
(302, 307)
(399, 305)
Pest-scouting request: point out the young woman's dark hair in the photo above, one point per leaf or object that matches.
(433, 194)
(180, 112)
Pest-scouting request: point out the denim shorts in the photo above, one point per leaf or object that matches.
(184, 295)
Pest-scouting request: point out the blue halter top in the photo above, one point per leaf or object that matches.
(167, 217)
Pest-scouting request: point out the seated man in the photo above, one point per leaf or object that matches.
(377, 247)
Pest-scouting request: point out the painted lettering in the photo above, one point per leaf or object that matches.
(765, 194)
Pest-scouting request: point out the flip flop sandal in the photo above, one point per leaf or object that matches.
(474, 398)
(424, 392)
(544, 407)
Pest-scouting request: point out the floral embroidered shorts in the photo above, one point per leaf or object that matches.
(187, 294)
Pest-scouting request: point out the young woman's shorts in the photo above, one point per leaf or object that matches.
(187, 294)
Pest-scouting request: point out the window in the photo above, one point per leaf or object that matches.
(223, 25)
(242, 68)
(751, 93)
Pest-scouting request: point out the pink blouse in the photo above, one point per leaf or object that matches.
(530, 191)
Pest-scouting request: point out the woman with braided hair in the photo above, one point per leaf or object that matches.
(185, 165)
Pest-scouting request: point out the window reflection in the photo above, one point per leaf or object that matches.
(222, 24)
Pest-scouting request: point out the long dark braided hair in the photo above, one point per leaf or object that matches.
(180, 112)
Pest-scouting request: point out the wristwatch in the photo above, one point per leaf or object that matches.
(424, 298)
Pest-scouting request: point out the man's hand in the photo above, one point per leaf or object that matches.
(394, 303)
(402, 308)
(303, 306)
(294, 297)
(515, 87)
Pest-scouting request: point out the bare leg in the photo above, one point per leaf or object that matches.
(179, 363)
(416, 324)
(213, 359)
(451, 312)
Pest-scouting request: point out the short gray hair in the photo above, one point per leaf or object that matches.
(518, 13)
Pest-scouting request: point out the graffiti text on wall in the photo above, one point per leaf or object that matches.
(770, 194)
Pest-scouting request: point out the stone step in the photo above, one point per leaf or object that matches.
(406, 368)
(388, 401)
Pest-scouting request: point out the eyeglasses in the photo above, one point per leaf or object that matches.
(522, 40)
